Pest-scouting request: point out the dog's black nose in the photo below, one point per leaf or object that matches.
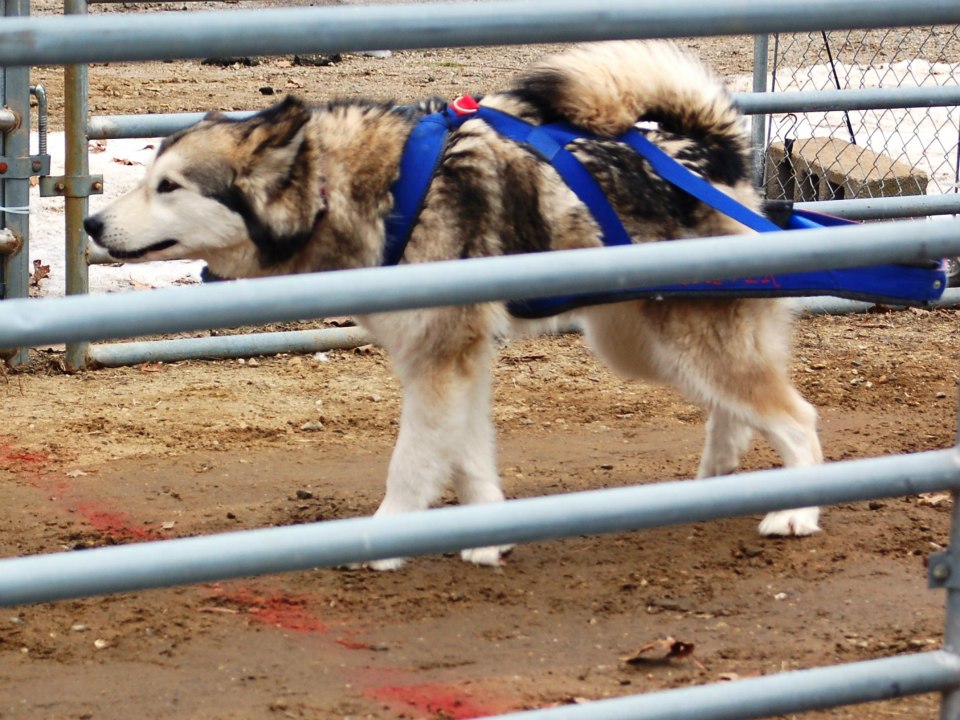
(94, 227)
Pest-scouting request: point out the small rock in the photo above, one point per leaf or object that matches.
(312, 426)
(317, 59)
(875, 505)
(246, 61)
(100, 644)
(267, 90)
(304, 495)
(941, 395)
(252, 362)
(168, 525)
(78, 627)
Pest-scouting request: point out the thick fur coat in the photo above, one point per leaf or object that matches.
(298, 189)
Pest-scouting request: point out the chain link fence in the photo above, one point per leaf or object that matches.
(864, 153)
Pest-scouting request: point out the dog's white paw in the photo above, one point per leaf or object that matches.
(490, 556)
(386, 564)
(791, 522)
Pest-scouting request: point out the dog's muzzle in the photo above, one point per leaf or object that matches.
(95, 227)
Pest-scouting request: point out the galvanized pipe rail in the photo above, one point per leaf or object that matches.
(782, 694)
(312, 341)
(8, 120)
(358, 292)
(164, 36)
(226, 346)
(139, 566)
(111, 127)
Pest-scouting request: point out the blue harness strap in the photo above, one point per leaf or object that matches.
(899, 284)
(421, 155)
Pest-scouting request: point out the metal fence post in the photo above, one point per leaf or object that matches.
(950, 707)
(15, 175)
(758, 123)
(76, 166)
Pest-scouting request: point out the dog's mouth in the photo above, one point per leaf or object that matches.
(140, 252)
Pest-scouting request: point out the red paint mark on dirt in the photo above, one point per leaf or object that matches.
(44, 473)
(112, 524)
(435, 699)
(13, 458)
(8, 454)
(282, 610)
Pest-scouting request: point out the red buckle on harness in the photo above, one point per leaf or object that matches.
(464, 105)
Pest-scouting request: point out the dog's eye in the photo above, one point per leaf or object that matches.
(167, 186)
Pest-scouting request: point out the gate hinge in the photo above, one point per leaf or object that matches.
(943, 571)
(71, 185)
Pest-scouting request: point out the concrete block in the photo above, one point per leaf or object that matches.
(832, 169)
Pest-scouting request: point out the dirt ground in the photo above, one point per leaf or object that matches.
(180, 449)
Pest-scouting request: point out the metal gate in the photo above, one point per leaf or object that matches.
(80, 319)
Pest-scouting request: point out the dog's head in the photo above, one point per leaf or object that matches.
(236, 193)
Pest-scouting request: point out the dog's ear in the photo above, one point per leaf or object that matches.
(214, 116)
(271, 139)
(279, 124)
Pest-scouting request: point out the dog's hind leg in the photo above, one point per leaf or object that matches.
(730, 357)
(791, 431)
(793, 434)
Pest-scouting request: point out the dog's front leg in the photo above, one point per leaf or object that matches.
(445, 429)
(475, 475)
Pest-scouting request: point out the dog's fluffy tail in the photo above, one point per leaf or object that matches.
(607, 87)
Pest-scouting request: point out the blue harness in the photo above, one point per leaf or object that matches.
(895, 284)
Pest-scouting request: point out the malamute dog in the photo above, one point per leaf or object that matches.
(298, 189)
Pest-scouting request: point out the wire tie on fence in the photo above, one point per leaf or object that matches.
(20, 210)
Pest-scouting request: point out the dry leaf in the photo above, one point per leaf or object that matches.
(151, 367)
(40, 272)
(97, 146)
(934, 499)
(296, 82)
(671, 649)
(124, 161)
(76, 474)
